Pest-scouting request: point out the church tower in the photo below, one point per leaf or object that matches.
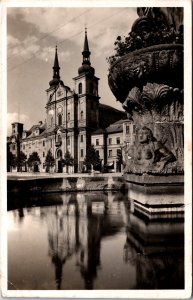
(61, 114)
(86, 87)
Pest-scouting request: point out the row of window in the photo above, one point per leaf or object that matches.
(128, 129)
(68, 118)
(110, 152)
(118, 141)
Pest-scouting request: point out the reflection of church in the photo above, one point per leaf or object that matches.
(72, 115)
(76, 228)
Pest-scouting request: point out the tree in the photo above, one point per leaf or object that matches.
(11, 160)
(33, 161)
(21, 160)
(68, 160)
(92, 158)
(49, 161)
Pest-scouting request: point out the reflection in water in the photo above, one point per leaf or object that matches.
(69, 233)
(89, 237)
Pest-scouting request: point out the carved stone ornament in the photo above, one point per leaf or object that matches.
(149, 84)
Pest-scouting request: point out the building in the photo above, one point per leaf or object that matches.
(75, 119)
(109, 143)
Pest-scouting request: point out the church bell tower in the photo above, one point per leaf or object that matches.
(86, 87)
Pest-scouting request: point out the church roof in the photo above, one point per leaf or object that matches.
(99, 131)
(108, 107)
(116, 127)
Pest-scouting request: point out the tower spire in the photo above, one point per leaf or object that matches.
(56, 71)
(56, 67)
(86, 65)
(86, 53)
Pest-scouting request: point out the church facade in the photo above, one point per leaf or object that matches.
(73, 117)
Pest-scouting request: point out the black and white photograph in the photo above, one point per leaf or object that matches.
(96, 166)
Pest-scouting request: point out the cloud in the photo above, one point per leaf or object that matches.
(30, 47)
(13, 117)
(63, 24)
(47, 54)
(12, 41)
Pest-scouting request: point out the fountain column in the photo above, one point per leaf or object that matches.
(149, 84)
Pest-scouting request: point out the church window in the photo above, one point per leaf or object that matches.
(127, 129)
(60, 119)
(80, 88)
(91, 87)
(118, 152)
(58, 138)
(81, 115)
(68, 116)
(59, 153)
(118, 140)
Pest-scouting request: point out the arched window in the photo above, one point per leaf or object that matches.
(59, 119)
(80, 88)
(68, 117)
(81, 115)
(58, 138)
(59, 153)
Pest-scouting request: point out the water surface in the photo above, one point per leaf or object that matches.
(91, 241)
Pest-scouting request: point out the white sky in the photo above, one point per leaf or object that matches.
(32, 34)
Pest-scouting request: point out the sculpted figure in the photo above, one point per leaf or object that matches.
(149, 154)
(172, 16)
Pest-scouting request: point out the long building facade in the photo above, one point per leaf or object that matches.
(74, 117)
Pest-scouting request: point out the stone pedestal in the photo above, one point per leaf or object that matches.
(156, 194)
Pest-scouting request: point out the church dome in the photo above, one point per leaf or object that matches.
(55, 82)
(86, 68)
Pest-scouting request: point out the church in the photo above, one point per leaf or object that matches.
(74, 118)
